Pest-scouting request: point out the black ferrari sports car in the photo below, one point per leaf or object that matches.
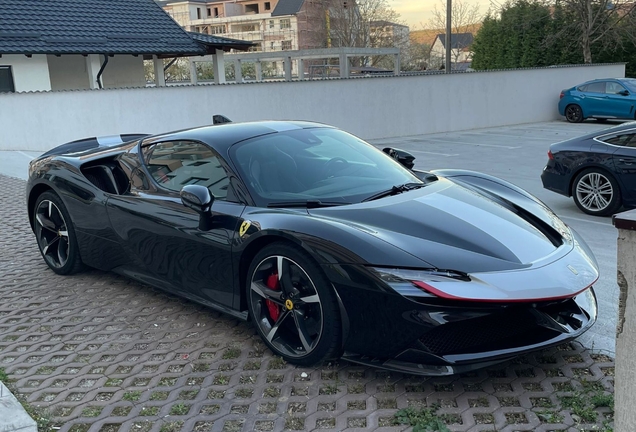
(597, 170)
(330, 246)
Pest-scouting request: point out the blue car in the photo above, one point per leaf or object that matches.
(601, 99)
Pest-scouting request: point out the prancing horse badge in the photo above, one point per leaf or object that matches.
(244, 226)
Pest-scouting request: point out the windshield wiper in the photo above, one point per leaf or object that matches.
(306, 204)
(395, 190)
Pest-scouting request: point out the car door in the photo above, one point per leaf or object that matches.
(620, 103)
(162, 236)
(624, 160)
(596, 101)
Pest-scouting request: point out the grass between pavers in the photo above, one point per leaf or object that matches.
(422, 419)
(42, 416)
(583, 404)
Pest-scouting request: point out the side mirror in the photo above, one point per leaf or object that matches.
(624, 93)
(199, 199)
(406, 159)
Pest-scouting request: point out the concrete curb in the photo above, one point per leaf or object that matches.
(12, 416)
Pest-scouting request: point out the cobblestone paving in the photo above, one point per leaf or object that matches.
(106, 354)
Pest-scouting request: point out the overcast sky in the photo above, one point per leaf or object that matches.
(417, 12)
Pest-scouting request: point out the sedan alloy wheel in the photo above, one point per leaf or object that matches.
(596, 193)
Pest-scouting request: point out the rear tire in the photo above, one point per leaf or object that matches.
(574, 113)
(293, 305)
(596, 192)
(55, 234)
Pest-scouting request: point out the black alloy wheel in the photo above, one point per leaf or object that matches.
(574, 113)
(55, 235)
(596, 192)
(293, 305)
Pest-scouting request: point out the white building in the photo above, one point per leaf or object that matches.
(86, 44)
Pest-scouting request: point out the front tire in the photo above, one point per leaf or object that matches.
(574, 113)
(293, 305)
(55, 234)
(596, 192)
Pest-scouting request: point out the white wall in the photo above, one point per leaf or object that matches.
(368, 107)
(68, 72)
(29, 74)
(124, 71)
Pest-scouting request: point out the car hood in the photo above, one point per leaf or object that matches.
(455, 227)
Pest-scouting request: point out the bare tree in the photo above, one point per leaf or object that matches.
(598, 21)
(465, 18)
(366, 23)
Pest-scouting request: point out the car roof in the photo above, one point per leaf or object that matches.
(605, 79)
(223, 136)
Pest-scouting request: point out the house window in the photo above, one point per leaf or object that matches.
(219, 29)
(271, 24)
(271, 45)
(268, 6)
(198, 13)
(286, 45)
(216, 12)
(251, 9)
(209, 12)
(285, 23)
(6, 80)
(238, 28)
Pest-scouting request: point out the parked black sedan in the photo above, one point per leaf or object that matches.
(597, 170)
(330, 246)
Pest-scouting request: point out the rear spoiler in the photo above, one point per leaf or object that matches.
(86, 144)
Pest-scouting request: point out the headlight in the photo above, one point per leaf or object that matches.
(418, 282)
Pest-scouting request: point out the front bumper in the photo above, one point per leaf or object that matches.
(474, 343)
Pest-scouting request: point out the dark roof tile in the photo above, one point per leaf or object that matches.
(458, 40)
(287, 7)
(93, 27)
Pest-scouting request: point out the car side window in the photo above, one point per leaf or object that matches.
(623, 140)
(175, 164)
(597, 87)
(614, 88)
(582, 88)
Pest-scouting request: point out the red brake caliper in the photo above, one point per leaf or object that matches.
(274, 310)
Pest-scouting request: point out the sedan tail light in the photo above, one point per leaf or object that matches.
(561, 95)
(550, 155)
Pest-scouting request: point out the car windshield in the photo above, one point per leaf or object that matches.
(630, 83)
(317, 165)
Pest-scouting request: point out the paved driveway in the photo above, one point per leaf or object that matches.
(106, 354)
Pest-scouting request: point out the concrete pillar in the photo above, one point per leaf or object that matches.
(625, 367)
(93, 63)
(301, 69)
(160, 77)
(259, 71)
(344, 66)
(287, 64)
(238, 71)
(193, 72)
(396, 64)
(219, 67)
